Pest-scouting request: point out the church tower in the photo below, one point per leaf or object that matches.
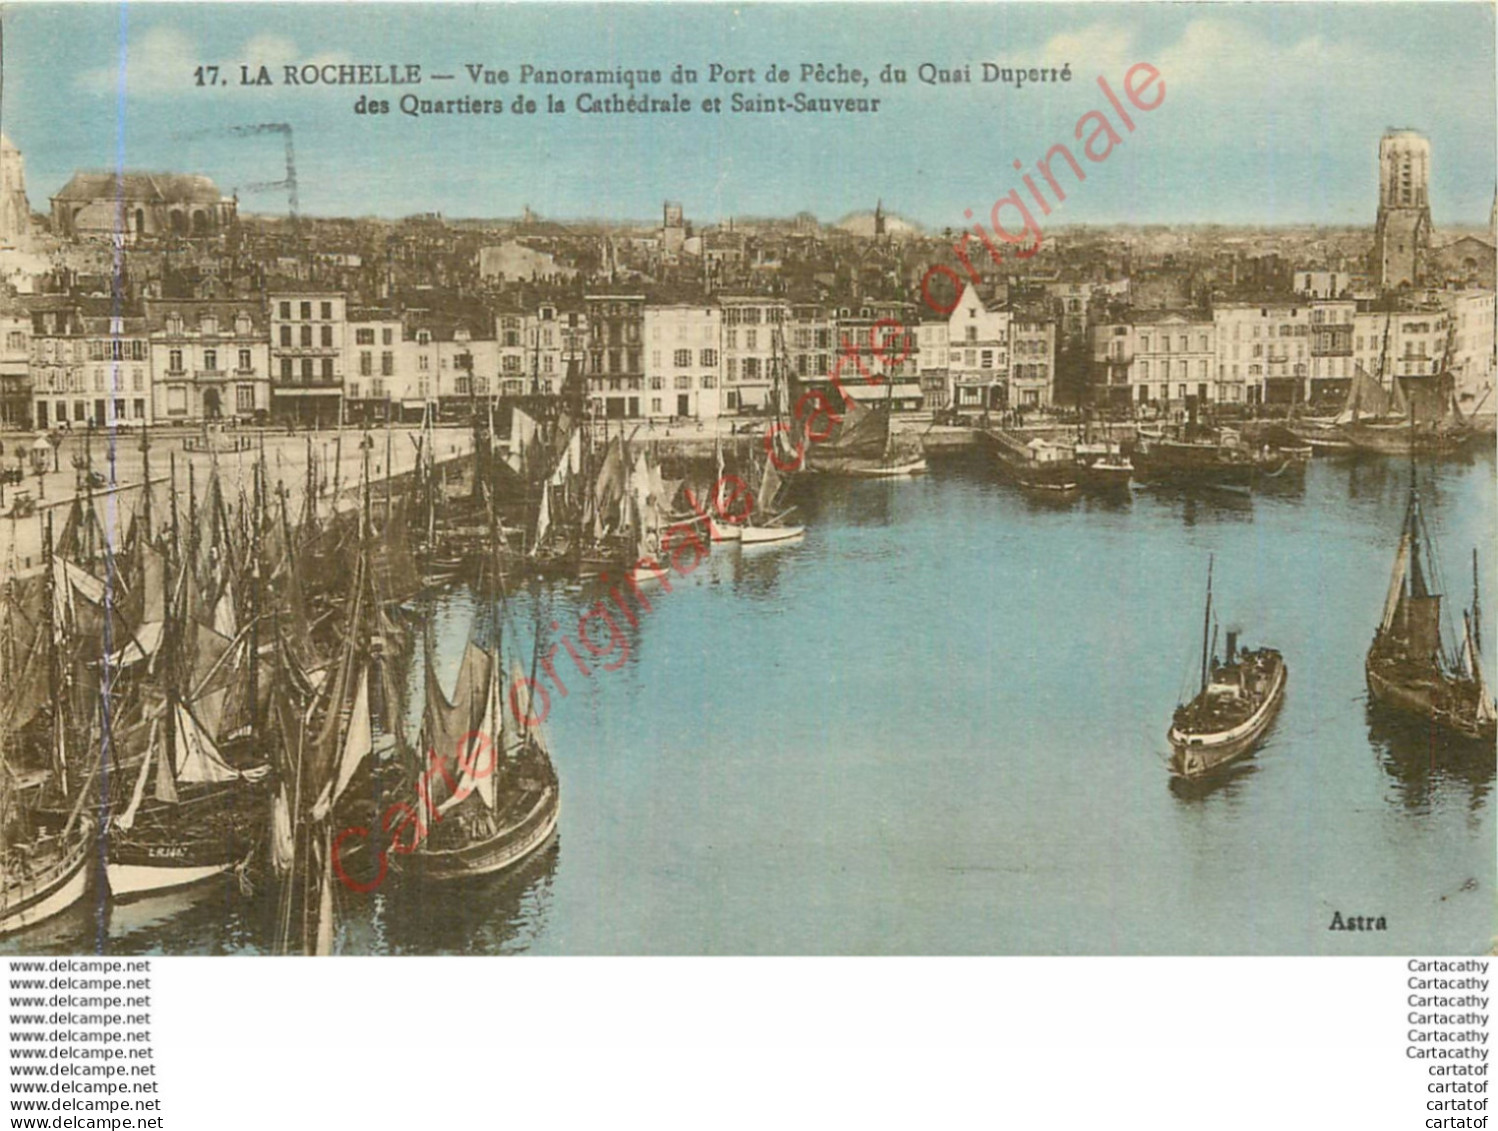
(1401, 241)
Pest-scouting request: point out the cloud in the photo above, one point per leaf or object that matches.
(1223, 60)
(163, 60)
(159, 61)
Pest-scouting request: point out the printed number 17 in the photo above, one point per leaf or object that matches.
(206, 76)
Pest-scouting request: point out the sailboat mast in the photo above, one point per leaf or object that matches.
(1476, 606)
(1207, 623)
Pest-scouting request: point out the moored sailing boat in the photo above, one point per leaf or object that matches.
(506, 800)
(195, 697)
(765, 525)
(43, 867)
(1408, 666)
(1238, 698)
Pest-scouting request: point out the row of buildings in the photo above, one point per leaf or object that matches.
(1295, 351)
(316, 357)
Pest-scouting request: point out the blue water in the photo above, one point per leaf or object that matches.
(936, 726)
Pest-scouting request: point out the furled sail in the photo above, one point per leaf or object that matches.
(358, 743)
(1396, 581)
(452, 726)
(198, 758)
(126, 820)
(1365, 397)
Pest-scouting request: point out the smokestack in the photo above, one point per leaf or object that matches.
(1232, 645)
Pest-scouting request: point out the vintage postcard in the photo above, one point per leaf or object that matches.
(790, 479)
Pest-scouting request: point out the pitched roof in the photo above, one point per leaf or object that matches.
(150, 188)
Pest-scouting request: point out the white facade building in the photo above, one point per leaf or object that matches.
(684, 360)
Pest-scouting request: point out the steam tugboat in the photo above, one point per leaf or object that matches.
(1239, 696)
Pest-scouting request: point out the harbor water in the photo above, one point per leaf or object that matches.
(937, 724)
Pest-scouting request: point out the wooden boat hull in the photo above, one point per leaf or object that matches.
(1424, 700)
(765, 535)
(1400, 440)
(1195, 756)
(889, 471)
(49, 894)
(1105, 477)
(505, 849)
(726, 532)
(129, 879)
(1182, 465)
(174, 849)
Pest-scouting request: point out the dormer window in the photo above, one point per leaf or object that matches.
(174, 325)
(208, 326)
(242, 325)
(423, 337)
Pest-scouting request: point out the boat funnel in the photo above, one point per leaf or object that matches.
(1232, 645)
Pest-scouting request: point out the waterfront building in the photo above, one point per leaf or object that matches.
(978, 352)
(535, 348)
(515, 358)
(57, 353)
(308, 339)
(683, 361)
(935, 374)
(811, 338)
(1401, 240)
(1332, 357)
(1473, 362)
(89, 364)
(378, 386)
(1263, 348)
(615, 370)
(207, 360)
(1032, 365)
(1165, 359)
(1393, 343)
(15, 365)
(458, 357)
(881, 337)
(750, 327)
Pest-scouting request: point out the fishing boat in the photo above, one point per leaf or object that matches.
(1193, 457)
(765, 525)
(1415, 415)
(1035, 464)
(195, 696)
(506, 800)
(893, 463)
(894, 469)
(858, 440)
(1237, 699)
(43, 877)
(43, 857)
(1409, 666)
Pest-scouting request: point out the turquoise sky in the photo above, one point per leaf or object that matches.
(1272, 112)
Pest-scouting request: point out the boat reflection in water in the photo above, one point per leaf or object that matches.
(1428, 766)
(501, 913)
(1229, 781)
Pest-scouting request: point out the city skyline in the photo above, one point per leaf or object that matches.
(1210, 154)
